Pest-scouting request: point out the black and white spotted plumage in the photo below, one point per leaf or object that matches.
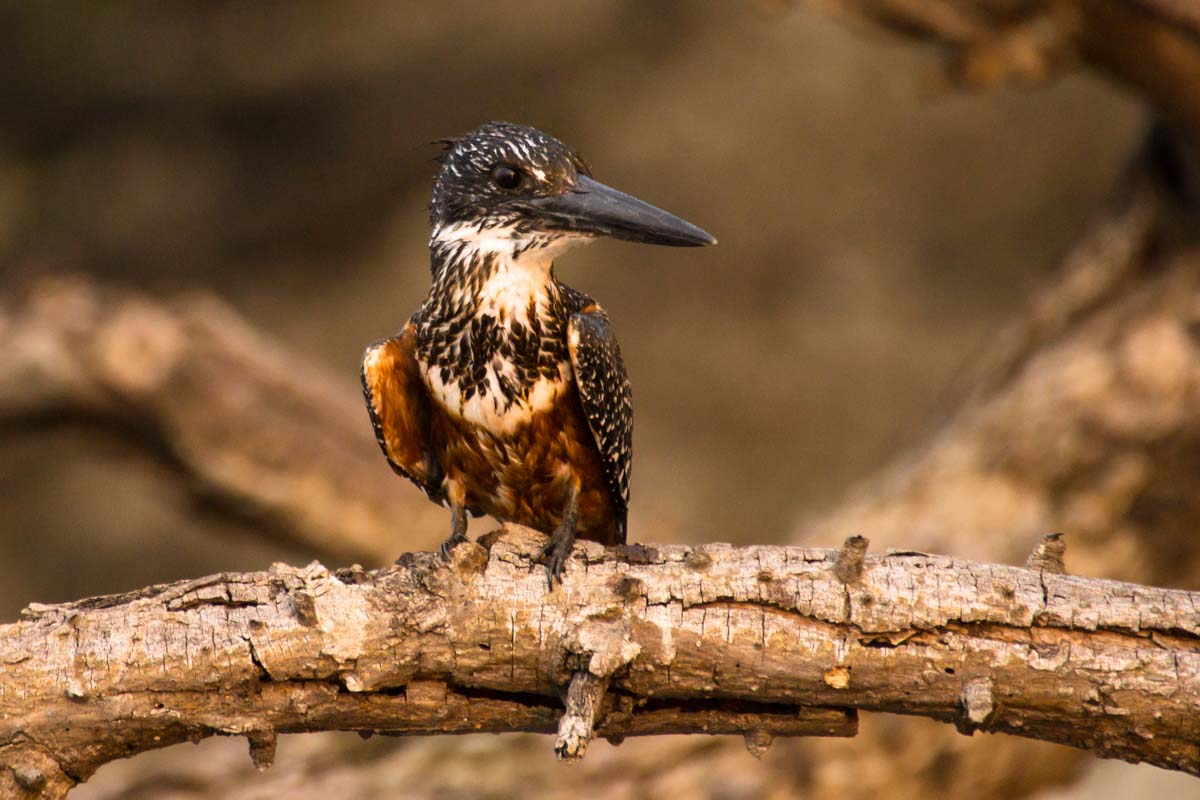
(459, 195)
(607, 399)
(505, 393)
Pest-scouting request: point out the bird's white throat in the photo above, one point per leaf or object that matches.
(501, 276)
(513, 267)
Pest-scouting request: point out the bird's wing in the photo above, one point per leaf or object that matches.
(607, 400)
(399, 406)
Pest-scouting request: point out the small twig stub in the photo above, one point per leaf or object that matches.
(584, 696)
(1048, 553)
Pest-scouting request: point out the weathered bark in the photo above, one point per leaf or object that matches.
(765, 641)
(254, 429)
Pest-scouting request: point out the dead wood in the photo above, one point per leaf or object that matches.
(764, 641)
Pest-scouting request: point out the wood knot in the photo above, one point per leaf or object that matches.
(629, 587)
(304, 606)
(29, 777)
(837, 677)
(697, 560)
(849, 565)
(636, 553)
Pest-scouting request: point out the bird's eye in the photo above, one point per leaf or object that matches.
(506, 177)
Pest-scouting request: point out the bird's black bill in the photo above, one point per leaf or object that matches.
(591, 207)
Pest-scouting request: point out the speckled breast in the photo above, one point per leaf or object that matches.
(523, 471)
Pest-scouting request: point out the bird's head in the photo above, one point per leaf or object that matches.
(518, 183)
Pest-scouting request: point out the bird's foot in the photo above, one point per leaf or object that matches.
(447, 546)
(556, 552)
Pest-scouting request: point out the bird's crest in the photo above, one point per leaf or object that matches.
(447, 144)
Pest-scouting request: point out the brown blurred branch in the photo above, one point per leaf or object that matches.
(253, 428)
(764, 641)
(1153, 45)
(1082, 418)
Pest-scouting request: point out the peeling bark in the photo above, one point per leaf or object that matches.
(762, 641)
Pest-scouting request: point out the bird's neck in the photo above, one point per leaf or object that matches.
(493, 328)
(498, 272)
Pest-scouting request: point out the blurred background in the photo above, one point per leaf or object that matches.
(875, 233)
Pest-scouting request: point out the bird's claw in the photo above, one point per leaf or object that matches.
(445, 548)
(556, 562)
(555, 555)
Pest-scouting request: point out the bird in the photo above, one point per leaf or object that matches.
(505, 392)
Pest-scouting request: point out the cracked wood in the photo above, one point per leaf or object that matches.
(763, 641)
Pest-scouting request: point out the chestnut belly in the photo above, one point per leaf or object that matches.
(525, 474)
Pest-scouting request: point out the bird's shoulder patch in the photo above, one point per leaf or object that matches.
(398, 404)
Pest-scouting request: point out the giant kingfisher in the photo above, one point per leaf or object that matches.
(505, 393)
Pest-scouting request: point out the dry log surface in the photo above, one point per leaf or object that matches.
(763, 641)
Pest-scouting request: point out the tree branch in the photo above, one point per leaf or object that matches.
(256, 430)
(764, 641)
(1152, 45)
